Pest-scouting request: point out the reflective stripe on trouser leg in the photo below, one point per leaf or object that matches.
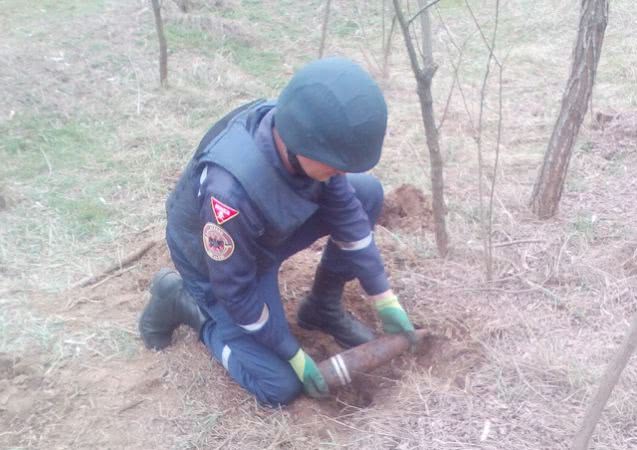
(225, 356)
(255, 367)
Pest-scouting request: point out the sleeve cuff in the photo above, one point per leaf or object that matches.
(288, 347)
(375, 285)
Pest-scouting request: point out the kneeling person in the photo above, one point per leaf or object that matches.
(267, 181)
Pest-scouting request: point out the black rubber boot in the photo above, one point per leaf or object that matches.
(170, 305)
(323, 310)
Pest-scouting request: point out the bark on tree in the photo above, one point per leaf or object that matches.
(590, 35)
(163, 52)
(424, 76)
(606, 385)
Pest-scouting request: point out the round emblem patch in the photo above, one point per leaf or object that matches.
(217, 242)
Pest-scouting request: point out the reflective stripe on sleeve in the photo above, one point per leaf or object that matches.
(356, 245)
(260, 323)
(202, 179)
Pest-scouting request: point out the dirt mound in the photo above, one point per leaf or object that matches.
(20, 379)
(407, 208)
(617, 134)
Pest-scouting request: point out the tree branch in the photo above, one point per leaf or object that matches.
(484, 38)
(456, 69)
(411, 51)
(486, 217)
(422, 10)
(456, 81)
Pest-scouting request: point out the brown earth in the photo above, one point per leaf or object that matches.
(617, 134)
(127, 398)
(407, 208)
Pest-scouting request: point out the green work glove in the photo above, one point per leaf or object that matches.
(394, 317)
(309, 374)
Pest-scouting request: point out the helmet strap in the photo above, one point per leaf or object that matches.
(296, 165)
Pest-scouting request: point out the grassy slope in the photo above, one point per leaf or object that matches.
(92, 146)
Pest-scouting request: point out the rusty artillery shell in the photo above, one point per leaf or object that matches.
(341, 368)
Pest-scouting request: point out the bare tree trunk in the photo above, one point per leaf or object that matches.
(606, 385)
(326, 19)
(163, 52)
(424, 77)
(486, 215)
(387, 41)
(550, 182)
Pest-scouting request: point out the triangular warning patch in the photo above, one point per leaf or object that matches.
(222, 212)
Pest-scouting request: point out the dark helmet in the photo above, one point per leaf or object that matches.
(333, 112)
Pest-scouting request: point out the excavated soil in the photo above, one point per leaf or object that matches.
(408, 209)
(617, 134)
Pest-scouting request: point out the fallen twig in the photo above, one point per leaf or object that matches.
(523, 241)
(127, 261)
(113, 275)
(131, 406)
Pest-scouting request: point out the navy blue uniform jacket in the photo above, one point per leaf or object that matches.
(236, 244)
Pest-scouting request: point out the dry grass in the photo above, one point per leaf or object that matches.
(94, 146)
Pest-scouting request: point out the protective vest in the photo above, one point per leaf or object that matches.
(230, 145)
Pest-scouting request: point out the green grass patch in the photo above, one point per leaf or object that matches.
(585, 225)
(63, 165)
(85, 216)
(50, 9)
(36, 145)
(256, 12)
(182, 37)
(22, 331)
(257, 62)
(344, 28)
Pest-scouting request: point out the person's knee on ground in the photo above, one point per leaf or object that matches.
(253, 366)
(280, 390)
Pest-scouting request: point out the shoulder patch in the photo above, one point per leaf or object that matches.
(217, 242)
(222, 212)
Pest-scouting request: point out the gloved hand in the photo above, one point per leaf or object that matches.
(309, 374)
(394, 317)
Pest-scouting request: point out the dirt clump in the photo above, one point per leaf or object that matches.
(27, 397)
(617, 134)
(407, 208)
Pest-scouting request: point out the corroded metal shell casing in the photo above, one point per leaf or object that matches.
(341, 368)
